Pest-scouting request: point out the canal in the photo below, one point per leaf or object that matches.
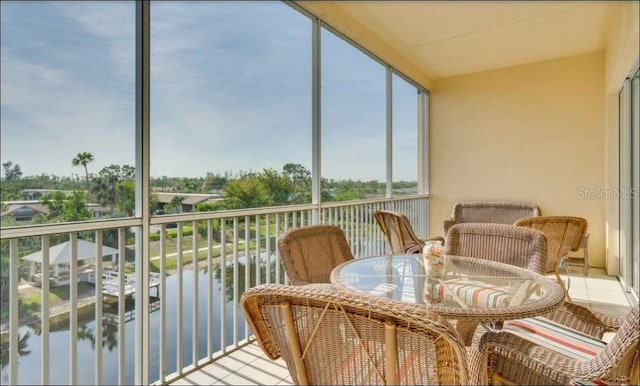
(29, 361)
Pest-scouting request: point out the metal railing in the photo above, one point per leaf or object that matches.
(200, 264)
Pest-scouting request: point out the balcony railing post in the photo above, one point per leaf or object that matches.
(73, 309)
(122, 261)
(195, 295)
(44, 310)
(14, 262)
(247, 266)
(210, 285)
(98, 311)
(162, 365)
(179, 302)
(236, 294)
(223, 280)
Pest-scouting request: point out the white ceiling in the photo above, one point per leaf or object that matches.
(445, 39)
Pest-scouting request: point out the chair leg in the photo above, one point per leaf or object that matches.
(566, 293)
(466, 329)
(585, 254)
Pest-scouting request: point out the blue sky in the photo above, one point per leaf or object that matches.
(230, 91)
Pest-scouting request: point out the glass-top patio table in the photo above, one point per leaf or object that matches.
(466, 289)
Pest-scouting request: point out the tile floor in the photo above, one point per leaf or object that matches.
(598, 291)
(249, 366)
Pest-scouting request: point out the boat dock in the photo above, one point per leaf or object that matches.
(111, 283)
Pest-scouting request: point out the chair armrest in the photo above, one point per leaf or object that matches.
(611, 323)
(522, 360)
(582, 319)
(448, 224)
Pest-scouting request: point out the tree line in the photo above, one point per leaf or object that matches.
(114, 187)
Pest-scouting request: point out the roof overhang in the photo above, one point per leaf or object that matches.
(430, 40)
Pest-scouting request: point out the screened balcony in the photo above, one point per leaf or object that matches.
(191, 111)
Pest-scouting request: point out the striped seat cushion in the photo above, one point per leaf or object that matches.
(556, 337)
(587, 382)
(474, 294)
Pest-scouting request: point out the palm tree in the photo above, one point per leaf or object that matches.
(174, 204)
(83, 159)
(22, 349)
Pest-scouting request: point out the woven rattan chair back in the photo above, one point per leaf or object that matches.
(399, 233)
(563, 234)
(522, 247)
(310, 253)
(490, 212)
(328, 336)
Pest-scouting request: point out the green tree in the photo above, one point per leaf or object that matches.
(209, 206)
(347, 195)
(11, 183)
(75, 207)
(10, 190)
(213, 182)
(55, 203)
(63, 208)
(346, 190)
(154, 202)
(11, 172)
(5, 356)
(297, 173)
(104, 188)
(191, 185)
(246, 192)
(174, 205)
(215, 225)
(106, 183)
(279, 187)
(300, 177)
(45, 181)
(126, 197)
(83, 159)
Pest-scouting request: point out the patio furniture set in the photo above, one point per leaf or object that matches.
(481, 313)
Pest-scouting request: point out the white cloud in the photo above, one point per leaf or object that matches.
(56, 116)
(230, 90)
(113, 22)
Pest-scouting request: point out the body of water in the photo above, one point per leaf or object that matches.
(29, 364)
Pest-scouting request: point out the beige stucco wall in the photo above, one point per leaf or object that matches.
(528, 133)
(620, 54)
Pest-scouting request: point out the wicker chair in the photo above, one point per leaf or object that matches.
(526, 248)
(563, 234)
(310, 253)
(400, 236)
(490, 212)
(540, 351)
(328, 336)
